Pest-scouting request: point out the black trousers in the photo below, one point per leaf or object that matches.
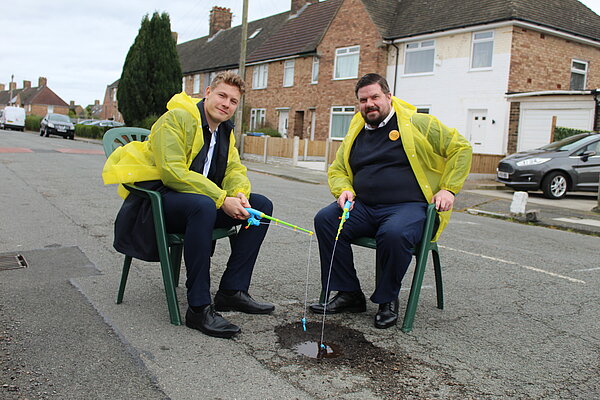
(196, 216)
(397, 228)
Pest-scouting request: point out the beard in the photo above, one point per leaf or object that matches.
(374, 119)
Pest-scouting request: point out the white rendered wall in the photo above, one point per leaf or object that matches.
(453, 88)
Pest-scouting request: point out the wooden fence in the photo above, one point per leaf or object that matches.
(318, 150)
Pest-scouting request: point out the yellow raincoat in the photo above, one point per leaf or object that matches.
(175, 140)
(439, 156)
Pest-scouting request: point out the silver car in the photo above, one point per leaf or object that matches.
(571, 164)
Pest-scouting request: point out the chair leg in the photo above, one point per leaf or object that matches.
(176, 263)
(438, 278)
(415, 291)
(167, 275)
(124, 275)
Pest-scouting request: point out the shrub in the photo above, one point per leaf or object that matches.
(32, 123)
(560, 132)
(90, 131)
(147, 122)
(268, 131)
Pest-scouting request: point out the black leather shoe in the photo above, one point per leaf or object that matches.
(352, 302)
(387, 315)
(241, 301)
(210, 322)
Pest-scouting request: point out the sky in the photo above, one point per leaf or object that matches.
(80, 45)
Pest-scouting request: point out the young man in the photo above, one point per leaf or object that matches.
(392, 163)
(191, 159)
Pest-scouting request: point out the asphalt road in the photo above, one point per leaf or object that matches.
(520, 319)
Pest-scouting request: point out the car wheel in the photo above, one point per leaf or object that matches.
(41, 132)
(46, 133)
(554, 185)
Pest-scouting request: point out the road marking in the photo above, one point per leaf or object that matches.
(587, 269)
(79, 151)
(15, 150)
(568, 278)
(593, 222)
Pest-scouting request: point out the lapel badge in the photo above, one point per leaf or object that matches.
(394, 135)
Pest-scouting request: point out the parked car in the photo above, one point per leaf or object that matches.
(57, 124)
(571, 164)
(106, 123)
(86, 122)
(12, 118)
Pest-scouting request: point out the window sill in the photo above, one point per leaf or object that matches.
(259, 88)
(481, 69)
(345, 79)
(419, 74)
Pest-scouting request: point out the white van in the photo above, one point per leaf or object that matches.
(12, 118)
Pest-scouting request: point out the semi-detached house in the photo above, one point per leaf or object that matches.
(497, 70)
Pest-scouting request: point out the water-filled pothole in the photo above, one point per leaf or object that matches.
(317, 350)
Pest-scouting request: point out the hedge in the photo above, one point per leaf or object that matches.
(32, 123)
(560, 132)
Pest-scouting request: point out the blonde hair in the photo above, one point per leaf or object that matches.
(230, 78)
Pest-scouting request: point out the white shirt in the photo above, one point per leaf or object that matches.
(385, 121)
(211, 150)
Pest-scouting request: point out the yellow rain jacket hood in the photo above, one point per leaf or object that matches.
(439, 156)
(175, 140)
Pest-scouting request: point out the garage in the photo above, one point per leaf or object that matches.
(573, 110)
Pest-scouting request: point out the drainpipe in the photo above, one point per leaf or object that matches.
(396, 67)
(596, 93)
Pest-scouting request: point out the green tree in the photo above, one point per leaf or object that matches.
(151, 73)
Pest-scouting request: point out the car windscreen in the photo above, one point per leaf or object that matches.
(569, 143)
(59, 118)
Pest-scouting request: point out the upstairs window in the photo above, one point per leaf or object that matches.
(419, 57)
(346, 62)
(288, 73)
(260, 76)
(578, 74)
(483, 50)
(315, 70)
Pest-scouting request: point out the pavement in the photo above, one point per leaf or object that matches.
(481, 195)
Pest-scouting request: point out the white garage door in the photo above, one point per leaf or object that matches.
(535, 123)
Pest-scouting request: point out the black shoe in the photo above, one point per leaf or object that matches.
(241, 301)
(353, 302)
(210, 322)
(387, 315)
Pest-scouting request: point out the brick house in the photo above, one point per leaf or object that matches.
(110, 108)
(38, 100)
(497, 70)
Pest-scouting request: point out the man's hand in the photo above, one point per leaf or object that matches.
(344, 197)
(244, 200)
(234, 207)
(443, 200)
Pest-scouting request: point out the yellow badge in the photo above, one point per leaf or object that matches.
(394, 135)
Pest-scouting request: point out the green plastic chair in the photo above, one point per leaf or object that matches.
(421, 253)
(170, 246)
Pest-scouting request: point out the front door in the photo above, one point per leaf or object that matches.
(283, 122)
(478, 123)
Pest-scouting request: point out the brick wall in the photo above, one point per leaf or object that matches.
(42, 110)
(513, 127)
(540, 61)
(350, 27)
(110, 107)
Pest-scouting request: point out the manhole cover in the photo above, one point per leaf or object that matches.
(13, 261)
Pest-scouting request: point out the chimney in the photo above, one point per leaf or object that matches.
(96, 102)
(298, 4)
(26, 84)
(42, 81)
(174, 36)
(220, 18)
(13, 85)
(2, 87)
(72, 104)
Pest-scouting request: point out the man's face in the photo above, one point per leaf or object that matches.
(374, 104)
(220, 103)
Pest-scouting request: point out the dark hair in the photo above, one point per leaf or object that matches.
(370, 79)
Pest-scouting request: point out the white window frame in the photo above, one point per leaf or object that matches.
(260, 76)
(343, 53)
(578, 72)
(183, 84)
(257, 118)
(314, 77)
(196, 87)
(474, 41)
(345, 111)
(415, 47)
(288, 73)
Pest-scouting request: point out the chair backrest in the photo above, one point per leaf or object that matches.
(117, 137)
